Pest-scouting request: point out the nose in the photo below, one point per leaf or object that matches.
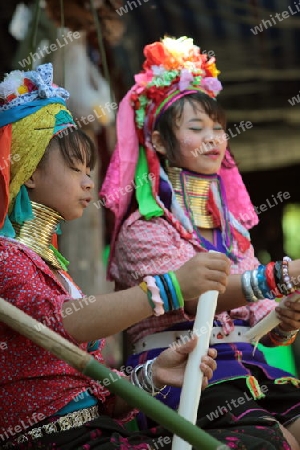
(209, 136)
(88, 183)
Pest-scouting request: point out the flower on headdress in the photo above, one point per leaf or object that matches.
(172, 64)
(155, 53)
(211, 84)
(20, 87)
(211, 68)
(143, 78)
(186, 77)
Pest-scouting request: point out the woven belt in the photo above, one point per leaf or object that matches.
(167, 338)
(72, 420)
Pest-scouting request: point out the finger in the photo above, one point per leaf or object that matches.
(294, 306)
(288, 322)
(204, 383)
(215, 286)
(207, 371)
(187, 347)
(209, 362)
(219, 265)
(216, 275)
(288, 314)
(212, 352)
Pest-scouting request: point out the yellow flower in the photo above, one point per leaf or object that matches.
(178, 47)
(22, 89)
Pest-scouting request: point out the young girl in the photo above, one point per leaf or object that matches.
(170, 125)
(45, 179)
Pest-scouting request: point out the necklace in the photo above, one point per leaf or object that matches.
(37, 235)
(192, 193)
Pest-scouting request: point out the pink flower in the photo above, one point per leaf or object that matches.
(143, 78)
(211, 84)
(185, 79)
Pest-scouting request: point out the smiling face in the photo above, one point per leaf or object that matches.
(62, 183)
(197, 141)
(202, 141)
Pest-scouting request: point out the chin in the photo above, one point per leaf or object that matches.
(72, 215)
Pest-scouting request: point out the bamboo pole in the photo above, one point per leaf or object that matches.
(85, 363)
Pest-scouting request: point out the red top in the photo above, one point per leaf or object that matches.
(34, 384)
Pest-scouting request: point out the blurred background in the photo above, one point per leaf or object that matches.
(97, 49)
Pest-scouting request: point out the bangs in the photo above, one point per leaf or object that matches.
(172, 115)
(197, 100)
(75, 145)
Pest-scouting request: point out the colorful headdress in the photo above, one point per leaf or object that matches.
(32, 111)
(173, 69)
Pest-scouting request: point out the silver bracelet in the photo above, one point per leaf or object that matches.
(247, 288)
(148, 376)
(146, 381)
(254, 284)
(134, 379)
(284, 334)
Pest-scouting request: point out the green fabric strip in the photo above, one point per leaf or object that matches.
(63, 261)
(148, 206)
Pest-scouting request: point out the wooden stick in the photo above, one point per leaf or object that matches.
(85, 363)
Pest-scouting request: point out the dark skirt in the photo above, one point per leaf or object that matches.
(105, 433)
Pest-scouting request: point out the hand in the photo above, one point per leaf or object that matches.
(204, 272)
(168, 368)
(289, 315)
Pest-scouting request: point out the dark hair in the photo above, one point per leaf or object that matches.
(74, 145)
(165, 122)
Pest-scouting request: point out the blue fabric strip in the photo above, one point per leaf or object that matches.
(83, 400)
(18, 113)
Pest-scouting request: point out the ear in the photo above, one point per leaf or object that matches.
(157, 143)
(31, 182)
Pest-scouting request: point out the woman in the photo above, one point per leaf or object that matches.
(45, 179)
(196, 201)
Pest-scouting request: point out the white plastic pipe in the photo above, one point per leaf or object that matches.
(269, 322)
(191, 388)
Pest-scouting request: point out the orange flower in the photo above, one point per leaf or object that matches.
(155, 54)
(211, 68)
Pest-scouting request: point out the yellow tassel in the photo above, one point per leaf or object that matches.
(285, 380)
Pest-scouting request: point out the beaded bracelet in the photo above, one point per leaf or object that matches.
(278, 278)
(286, 276)
(284, 334)
(279, 338)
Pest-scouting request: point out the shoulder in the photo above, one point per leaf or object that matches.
(139, 229)
(18, 262)
(12, 251)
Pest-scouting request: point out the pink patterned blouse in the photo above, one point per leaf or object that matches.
(155, 247)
